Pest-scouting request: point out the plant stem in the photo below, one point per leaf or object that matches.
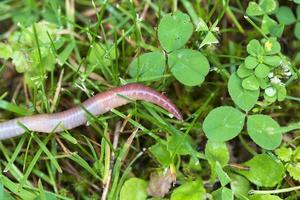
(290, 189)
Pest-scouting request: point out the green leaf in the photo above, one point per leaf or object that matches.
(268, 24)
(273, 61)
(174, 30)
(188, 66)
(272, 46)
(180, 144)
(223, 123)
(284, 153)
(223, 176)
(268, 6)
(210, 38)
(239, 185)
(297, 1)
(193, 190)
(281, 92)
(285, 15)
(147, 65)
(254, 48)
(5, 51)
(254, 9)
(162, 155)
(262, 71)
(243, 98)
(243, 72)
(264, 197)
(99, 55)
(251, 62)
(294, 171)
(217, 152)
(250, 83)
(20, 61)
(261, 130)
(65, 54)
(263, 171)
(134, 189)
(276, 30)
(297, 30)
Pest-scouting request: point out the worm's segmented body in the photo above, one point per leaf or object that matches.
(99, 104)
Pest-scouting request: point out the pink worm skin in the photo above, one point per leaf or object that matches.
(76, 116)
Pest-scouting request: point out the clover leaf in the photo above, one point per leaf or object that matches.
(263, 7)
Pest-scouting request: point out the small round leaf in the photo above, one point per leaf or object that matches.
(285, 15)
(193, 190)
(263, 171)
(174, 30)
(188, 66)
(245, 99)
(261, 130)
(251, 62)
(262, 71)
(250, 83)
(134, 189)
(148, 66)
(254, 48)
(223, 123)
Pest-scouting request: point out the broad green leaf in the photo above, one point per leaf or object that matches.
(276, 30)
(227, 194)
(254, 9)
(254, 48)
(268, 24)
(268, 6)
(217, 152)
(188, 66)
(261, 130)
(210, 38)
(5, 51)
(297, 30)
(251, 62)
(147, 65)
(245, 99)
(193, 190)
(134, 189)
(285, 15)
(262, 71)
(263, 171)
(174, 30)
(251, 83)
(20, 61)
(284, 153)
(223, 193)
(162, 155)
(294, 171)
(223, 176)
(180, 144)
(223, 123)
(243, 72)
(239, 185)
(264, 197)
(297, 1)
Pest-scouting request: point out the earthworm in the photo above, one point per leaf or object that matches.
(96, 105)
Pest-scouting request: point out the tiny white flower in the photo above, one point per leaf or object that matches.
(275, 80)
(271, 75)
(288, 73)
(270, 91)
